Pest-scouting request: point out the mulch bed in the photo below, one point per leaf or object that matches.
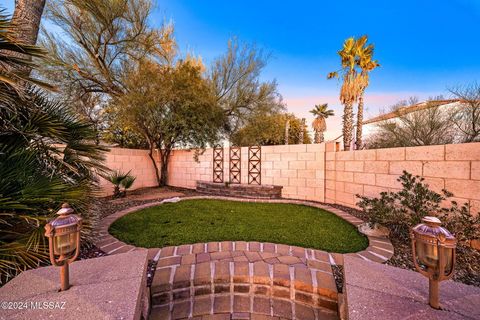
(338, 275)
(467, 268)
(109, 206)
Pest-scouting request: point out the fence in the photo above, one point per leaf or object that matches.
(316, 172)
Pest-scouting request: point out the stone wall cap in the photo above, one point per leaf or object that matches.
(108, 287)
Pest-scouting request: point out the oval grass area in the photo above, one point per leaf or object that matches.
(204, 220)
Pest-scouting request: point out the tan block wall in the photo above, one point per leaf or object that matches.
(369, 172)
(309, 172)
(136, 161)
(298, 168)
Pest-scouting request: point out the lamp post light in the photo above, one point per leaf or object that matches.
(63, 234)
(433, 250)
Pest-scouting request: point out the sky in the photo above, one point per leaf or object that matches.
(424, 47)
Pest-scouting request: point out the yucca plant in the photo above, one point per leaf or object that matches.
(47, 156)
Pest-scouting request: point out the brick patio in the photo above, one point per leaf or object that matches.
(244, 280)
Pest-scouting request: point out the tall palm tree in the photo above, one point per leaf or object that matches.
(47, 156)
(366, 63)
(25, 25)
(15, 58)
(321, 112)
(350, 90)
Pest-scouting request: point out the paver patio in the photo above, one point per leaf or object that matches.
(244, 280)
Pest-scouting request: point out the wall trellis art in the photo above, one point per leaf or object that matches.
(235, 165)
(218, 164)
(255, 165)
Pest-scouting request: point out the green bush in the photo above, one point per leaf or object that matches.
(400, 211)
(118, 178)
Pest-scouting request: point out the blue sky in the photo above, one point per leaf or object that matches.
(423, 46)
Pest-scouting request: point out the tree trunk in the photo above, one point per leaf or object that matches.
(165, 157)
(347, 125)
(26, 19)
(359, 122)
(150, 154)
(287, 129)
(316, 137)
(319, 137)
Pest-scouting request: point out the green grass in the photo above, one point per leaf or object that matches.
(193, 221)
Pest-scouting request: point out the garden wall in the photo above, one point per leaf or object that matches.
(454, 167)
(298, 168)
(317, 172)
(136, 161)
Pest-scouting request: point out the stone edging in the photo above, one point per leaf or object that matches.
(379, 250)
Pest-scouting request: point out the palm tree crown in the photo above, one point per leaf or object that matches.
(356, 62)
(321, 112)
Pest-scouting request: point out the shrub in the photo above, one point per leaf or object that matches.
(118, 179)
(400, 211)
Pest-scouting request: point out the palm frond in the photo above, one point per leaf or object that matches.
(128, 181)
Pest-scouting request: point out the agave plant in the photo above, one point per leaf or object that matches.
(47, 157)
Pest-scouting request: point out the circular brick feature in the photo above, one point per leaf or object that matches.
(241, 279)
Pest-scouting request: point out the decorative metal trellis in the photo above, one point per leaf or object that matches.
(235, 164)
(218, 164)
(255, 165)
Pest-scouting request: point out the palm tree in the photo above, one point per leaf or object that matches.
(26, 21)
(321, 112)
(118, 179)
(350, 90)
(366, 63)
(15, 58)
(47, 156)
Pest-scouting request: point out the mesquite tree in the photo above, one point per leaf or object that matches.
(171, 106)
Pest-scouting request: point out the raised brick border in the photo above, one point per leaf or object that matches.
(240, 190)
(380, 249)
(243, 280)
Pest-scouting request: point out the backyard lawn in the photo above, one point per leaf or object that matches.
(193, 221)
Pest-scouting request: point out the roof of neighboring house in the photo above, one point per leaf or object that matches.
(404, 110)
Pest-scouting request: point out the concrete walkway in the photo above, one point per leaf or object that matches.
(113, 287)
(376, 291)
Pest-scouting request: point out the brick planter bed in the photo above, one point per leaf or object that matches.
(240, 190)
(243, 280)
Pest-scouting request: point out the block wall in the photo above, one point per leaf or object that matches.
(298, 168)
(136, 161)
(454, 167)
(316, 172)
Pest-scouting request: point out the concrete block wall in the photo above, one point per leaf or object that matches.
(184, 171)
(317, 172)
(134, 160)
(454, 167)
(298, 168)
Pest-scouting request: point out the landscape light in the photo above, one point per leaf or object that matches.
(433, 250)
(63, 234)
